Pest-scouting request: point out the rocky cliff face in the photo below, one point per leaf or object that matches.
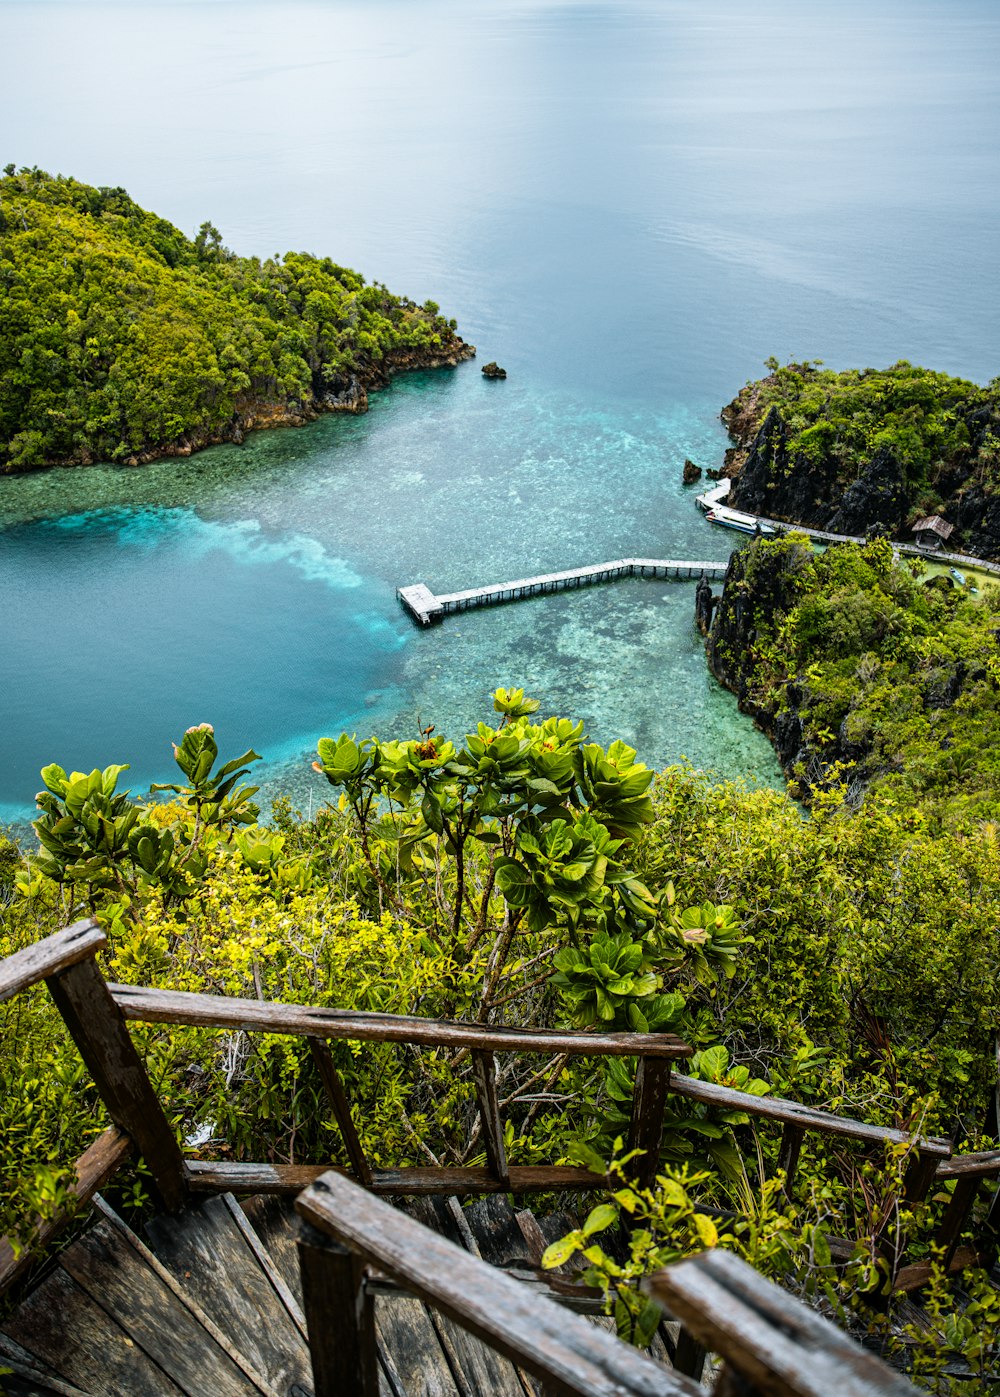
(760, 583)
(770, 480)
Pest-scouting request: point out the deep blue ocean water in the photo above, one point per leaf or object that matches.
(629, 205)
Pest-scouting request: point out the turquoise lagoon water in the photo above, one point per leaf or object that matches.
(629, 205)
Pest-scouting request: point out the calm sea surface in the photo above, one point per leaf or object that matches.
(629, 205)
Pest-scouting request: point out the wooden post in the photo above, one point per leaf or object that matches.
(484, 1070)
(645, 1132)
(689, 1356)
(340, 1318)
(788, 1157)
(102, 1038)
(920, 1176)
(337, 1096)
(956, 1215)
(730, 1383)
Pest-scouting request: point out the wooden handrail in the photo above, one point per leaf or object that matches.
(771, 1343)
(93, 1169)
(227, 1176)
(267, 1016)
(96, 1014)
(47, 957)
(350, 1230)
(805, 1117)
(776, 1344)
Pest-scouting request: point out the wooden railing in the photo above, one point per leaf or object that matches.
(97, 1015)
(769, 1342)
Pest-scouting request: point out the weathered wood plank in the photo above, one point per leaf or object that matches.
(274, 1221)
(209, 1256)
(984, 1165)
(47, 957)
(484, 1071)
(146, 1005)
(792, 1112)
(115, 1277)
(95, 1166)
(645, 1132)
(28, 1376)
(410, 1341)
(337, 1096)
(226, 1176)
(919, 1175)
(340, 1317)
(774, 1341)
(956, 1215)
(62, 1326)
(103, 1041)
(915, 1276)
(567, 1353)
(475, 1367)
(267, 1263)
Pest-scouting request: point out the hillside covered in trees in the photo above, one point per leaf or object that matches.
(521, 875)
(869, 447)
(123, 340)
(864, 669)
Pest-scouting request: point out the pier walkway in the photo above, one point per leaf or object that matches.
(425, 607)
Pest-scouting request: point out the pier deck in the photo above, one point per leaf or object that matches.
(425, 607)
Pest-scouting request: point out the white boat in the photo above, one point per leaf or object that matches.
(743, 523)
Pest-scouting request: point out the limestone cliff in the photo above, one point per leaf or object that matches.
(869, 449)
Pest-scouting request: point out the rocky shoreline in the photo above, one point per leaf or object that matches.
(760, 581)
(254, 414)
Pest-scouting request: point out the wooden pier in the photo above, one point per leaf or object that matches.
(425, 607)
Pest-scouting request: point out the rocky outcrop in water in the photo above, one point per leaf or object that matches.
(493, 370)
(692, 473)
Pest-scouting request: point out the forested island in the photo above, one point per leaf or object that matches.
(865, 448)
(123, 340)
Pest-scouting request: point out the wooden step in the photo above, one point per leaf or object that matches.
(70, 1333)
(28, 1376)
(273, 1219)
(237, 1286)
(107, 1264)
(475, 1367)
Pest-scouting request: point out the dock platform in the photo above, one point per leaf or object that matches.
(426, 608)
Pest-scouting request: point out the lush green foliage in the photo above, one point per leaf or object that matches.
(120, 335)
(923, 417)
(845, 957)
(444, 881)
(953, 1352)
(895, 676)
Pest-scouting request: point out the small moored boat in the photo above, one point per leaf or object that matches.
(743, 523)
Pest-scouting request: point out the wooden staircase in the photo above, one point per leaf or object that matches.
(211, 1303)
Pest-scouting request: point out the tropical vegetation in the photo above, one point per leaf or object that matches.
(891, 674)
(525, 875)
(121, 338)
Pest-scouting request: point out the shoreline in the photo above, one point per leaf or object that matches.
(259, 414)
